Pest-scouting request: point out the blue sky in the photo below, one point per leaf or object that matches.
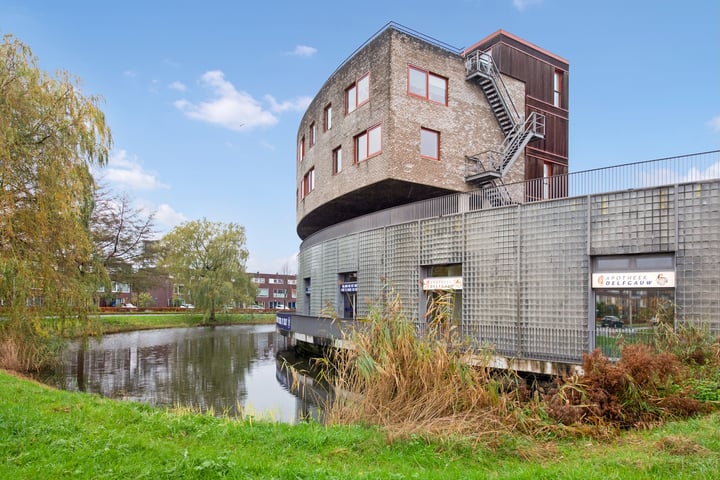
(204, 98)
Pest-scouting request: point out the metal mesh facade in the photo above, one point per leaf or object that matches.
(526, 268)
(697, 294)
(402, 265)
(636, 221)
(371, 269)
(554, 279)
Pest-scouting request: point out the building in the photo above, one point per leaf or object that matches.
(408, 118)
(424, 169)
(275, 290)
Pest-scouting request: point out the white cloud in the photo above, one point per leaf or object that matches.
(230, 108)
(177, 85)
(298, 104)
(127, 171)
(275, 265)
(668, 176)
(303, 51)
(715, 124)
(130, 74)
(521, 5)
(167, 218)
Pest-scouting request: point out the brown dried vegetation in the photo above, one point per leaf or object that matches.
(641, 389)
(430, 383)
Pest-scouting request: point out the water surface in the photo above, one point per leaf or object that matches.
(225, 369)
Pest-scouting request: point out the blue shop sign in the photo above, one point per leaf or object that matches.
(282, 321)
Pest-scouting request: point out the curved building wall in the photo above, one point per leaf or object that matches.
(398, 174)
(526, 269)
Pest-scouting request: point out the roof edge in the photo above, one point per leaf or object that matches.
(504, 33)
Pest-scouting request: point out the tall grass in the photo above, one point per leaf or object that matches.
(431, 382)
(416, 382)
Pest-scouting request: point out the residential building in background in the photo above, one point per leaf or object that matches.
(275, 290)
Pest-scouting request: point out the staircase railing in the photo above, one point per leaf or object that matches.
(534, 127)
(491, 164)
(482, 64)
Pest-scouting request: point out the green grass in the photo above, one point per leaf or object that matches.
(46, 433)
(111, 323)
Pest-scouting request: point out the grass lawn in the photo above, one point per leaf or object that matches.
(112, 323)
(46, 433)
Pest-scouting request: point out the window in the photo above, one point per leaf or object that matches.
(547, 173)
(337, 160)
(357, 94)
(277, 281)
(557, 88)
(301, 149)
(258, 280)
(292, 281)
(427, 85)
(327, 118)
(263, 292)
(280, 293)
(368, 143)
(312, 134)
(308, 184)
(429, 144)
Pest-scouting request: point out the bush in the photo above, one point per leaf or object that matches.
(643, 388)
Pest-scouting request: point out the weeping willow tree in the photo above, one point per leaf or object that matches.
(50, 135)
(207, 261)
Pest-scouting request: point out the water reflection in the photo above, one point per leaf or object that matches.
(226, 369)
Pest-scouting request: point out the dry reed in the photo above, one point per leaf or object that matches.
(421, 383)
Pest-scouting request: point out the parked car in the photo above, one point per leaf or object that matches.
(187, 305)
(611, 321)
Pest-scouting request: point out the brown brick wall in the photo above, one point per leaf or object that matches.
(467, 125)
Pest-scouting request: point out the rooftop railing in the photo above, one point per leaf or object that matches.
(632, 176)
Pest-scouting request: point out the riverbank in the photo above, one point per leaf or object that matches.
(114, 323)
(45, 433)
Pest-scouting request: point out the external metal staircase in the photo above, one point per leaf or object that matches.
(489, 167)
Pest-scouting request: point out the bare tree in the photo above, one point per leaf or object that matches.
(120, 232)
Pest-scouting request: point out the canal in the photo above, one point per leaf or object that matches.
(226, 370)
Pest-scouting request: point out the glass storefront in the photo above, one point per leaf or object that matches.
(634, 290)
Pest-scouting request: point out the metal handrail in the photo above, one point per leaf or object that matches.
(483, 63)
(647, 174)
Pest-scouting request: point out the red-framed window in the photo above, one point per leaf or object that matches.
(368, 143)
(312, 134)
(308, 184)
(558, 88)
(430, 144)
(357, 94)
(301, 149)
(427, 85)
(327, 118)
(337, 160)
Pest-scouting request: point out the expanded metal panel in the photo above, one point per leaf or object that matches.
(554, 274)
(371, 271)
(441, 240)
(637, 221)
(490, 279)
(402, 266)
(348, 254)
(698, 257)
